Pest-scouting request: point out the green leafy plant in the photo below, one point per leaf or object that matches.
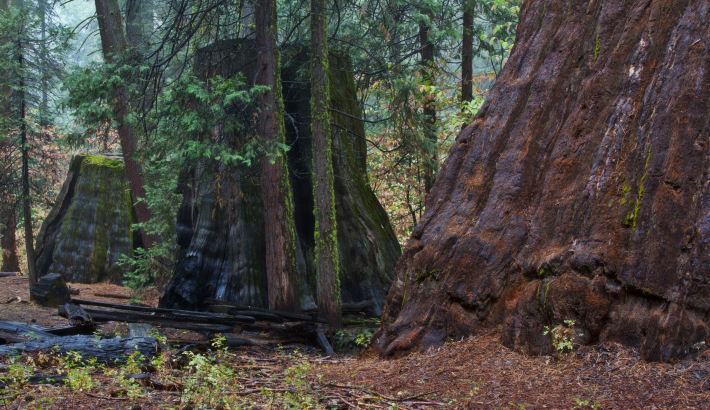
(562, 336)
(584, 404)
(209, 380)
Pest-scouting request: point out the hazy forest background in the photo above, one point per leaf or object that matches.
(409, 59)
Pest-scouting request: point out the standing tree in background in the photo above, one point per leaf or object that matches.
(113, 44)
(280, 232)
(326, 239)
(8, 219)
(430, 158)
(467, 51)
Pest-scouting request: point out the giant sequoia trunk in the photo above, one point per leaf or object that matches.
(220, 224)
(580, 191)
(89, 227)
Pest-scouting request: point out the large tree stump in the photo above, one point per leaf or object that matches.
(50, 290)
(220, 224)
(581, 190)
(89, 227)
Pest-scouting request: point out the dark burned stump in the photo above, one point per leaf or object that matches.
(89, 227)
(50, 290)
(220, 226)
(579, 192)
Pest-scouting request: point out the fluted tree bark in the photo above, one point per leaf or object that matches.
(280, 232)
(326, 239)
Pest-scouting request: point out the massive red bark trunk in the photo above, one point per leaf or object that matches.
(580, 191)
(113, 44)
(280, 233)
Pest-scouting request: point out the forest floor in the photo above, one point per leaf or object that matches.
(476, 372)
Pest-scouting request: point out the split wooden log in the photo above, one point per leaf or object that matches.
(24, 330)
(213, 304)
(164, 314)
(15, 332)
(114, 350)
(76, 315)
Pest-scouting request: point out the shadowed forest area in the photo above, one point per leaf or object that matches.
(354, 204)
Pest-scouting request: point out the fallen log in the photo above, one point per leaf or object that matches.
(285, 315)
(75, 314)
(168, 314)
(7, 274)
(231, 310)
(109, 351)
(105, 316)
(84, 329)
(25, 330)
(53, 379)
(15, 332)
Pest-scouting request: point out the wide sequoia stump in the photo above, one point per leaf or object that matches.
(220, 226)
(580, 191)
(89, 227)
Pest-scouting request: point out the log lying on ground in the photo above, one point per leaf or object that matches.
(88, 346)
(6, 274)
(13, 332)
(24, 330)
(232, 318)
(32, 338)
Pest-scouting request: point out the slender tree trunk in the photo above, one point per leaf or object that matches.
(10, 261)
(467, 52)
(113, 44)
(431, 152)
(26, 200)
(326, 238)
(8, 221)
(281, 272)
(44, 104)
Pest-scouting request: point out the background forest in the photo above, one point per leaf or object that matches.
(422, 69)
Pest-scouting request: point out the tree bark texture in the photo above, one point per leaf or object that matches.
(279, 229)
(89, 227)
(580, 191)
(326, 239)
(8, 222)
(26, 199)
(113, 44)
(220, 228)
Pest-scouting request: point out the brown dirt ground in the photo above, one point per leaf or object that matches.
(477, 372)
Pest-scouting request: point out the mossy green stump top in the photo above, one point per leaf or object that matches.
(89, 227)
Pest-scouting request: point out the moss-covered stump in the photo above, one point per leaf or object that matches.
(221, 227)
(89, 227)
